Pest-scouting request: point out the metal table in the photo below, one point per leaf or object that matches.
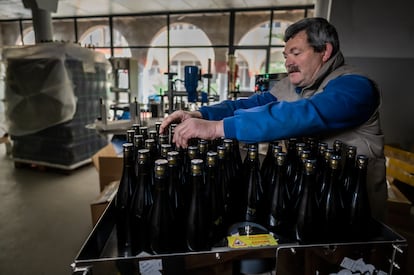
(382, 253)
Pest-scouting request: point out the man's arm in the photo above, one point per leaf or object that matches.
(227, 108)
(346, 102)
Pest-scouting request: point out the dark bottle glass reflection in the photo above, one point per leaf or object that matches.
(123, 201)
(141, 203)
(162, 226)
(197, 222)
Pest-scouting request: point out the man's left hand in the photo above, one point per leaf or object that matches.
(197, 128)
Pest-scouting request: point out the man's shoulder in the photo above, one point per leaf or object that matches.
(347, 69)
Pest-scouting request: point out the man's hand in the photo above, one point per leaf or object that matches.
(197, 128)
(177, 117)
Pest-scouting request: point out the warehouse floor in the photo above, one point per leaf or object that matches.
(44, 217)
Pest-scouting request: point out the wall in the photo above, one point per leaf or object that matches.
(378, 36)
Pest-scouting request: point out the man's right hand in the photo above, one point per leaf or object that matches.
(177, 117)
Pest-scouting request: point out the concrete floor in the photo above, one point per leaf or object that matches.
(44, 217)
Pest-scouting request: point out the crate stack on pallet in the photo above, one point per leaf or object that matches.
(69, 144)
(400, 178)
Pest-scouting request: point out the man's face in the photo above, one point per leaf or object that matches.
(302, 62)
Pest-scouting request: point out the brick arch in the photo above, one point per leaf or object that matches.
(199, 53)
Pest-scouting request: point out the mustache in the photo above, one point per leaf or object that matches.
(293, 69)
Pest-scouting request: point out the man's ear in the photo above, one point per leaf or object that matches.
(328, 52)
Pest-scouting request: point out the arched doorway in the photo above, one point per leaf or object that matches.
(181, 55)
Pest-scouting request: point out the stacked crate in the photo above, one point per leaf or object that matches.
(69, 144)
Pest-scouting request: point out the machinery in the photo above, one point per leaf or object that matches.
(265, 82)
(192, 78)
(124, 106)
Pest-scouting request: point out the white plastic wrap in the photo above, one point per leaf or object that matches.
(39, 91)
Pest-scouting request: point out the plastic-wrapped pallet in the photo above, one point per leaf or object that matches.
(52, 92)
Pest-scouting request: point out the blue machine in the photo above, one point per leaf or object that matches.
(191, 78)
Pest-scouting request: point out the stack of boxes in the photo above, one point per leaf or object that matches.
(68, 144)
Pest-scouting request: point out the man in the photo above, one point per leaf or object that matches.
(321, 96)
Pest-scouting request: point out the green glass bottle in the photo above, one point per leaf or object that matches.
(123, 201)
(161, 220)
(197, 229)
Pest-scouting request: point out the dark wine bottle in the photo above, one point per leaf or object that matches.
(214, 199)
(202, 149)
(138, 142)
(270, 177)
(360, 210)
(232, 211)
(279, 216)
(138, 145)
(232, 159)
(189, 154)
(150, 144)
(161, 220)
(338, 148)
(152, 134)
(123, 201)
(165, 148)
(268, 161)
(236, 155)
(323, 181)
(136, 127)
(255, 203)
(306, 228)
(161, 140)
(320, 162)
(130, 136)
(348, 174)
(157, 125)
(171, 130)
(197, 222)
(141, 203)
(175, 192)
(144, 132)
(295, 194)
(331, 205)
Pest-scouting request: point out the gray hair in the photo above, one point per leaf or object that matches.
(319, 32)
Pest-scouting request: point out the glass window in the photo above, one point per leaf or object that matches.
(140, 30)
(10, 33)
(252, 28)
(277, 61)
(152, 78)
(281, 20)
(28, 34)
(250, 63)
(64, 30)
(94, 32)
(201, 29)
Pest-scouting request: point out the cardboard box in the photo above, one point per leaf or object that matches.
(399, 208)
(397, 202)
(99, 205)
(400, 164)
(108, 164)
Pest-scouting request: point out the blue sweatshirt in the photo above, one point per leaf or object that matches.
(345, 102)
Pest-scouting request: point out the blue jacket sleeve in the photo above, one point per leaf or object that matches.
(346, 101)
(226, 108)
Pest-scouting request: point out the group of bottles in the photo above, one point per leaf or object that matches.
(176, 200)
(317, 193)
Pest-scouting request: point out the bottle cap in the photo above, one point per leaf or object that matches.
(196, 167)
(160, 168)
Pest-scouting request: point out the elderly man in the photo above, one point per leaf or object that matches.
(321, 96)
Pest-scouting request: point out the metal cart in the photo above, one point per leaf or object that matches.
(383, 253)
